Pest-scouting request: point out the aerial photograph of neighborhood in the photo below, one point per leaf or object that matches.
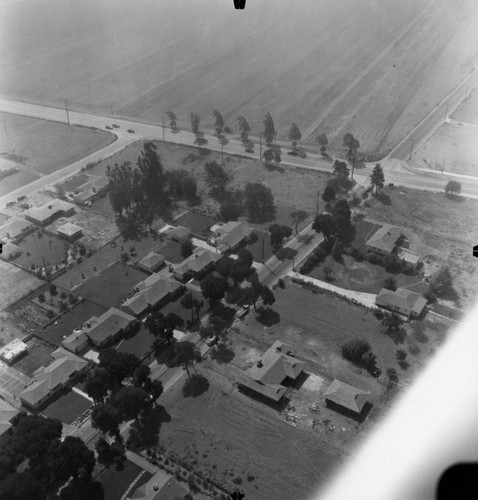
(231, 239)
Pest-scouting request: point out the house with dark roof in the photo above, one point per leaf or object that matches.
(196, 265)
(346, 399)
(271, 376)
(385, 240)
(76, 342)
(151, 262)
(152, 293)
(403, 301)
(179, 234)
(230, 236)
(15, 230)
(50, 380)
(108, 327)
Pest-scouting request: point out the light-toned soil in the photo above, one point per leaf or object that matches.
(467, 112)
(454, 147)
(15, 283)
(241, 438)
(40, 147)
(446, 224)
(372, 68)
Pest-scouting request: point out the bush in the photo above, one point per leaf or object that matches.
(63, 306)
(378, 313)
(430, 296)
(354, 350)
(375, 258)
(390, 283)
(41, 297)
(392, 263)
(50, 314)
(124, 256)
(53, 289)
(357, 254)
(281, 283)
(230, 211)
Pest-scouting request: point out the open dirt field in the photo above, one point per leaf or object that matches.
(372, 68)
(39, 147)
(454, 147)
(234, 437)
(446, 224)
(15, 283)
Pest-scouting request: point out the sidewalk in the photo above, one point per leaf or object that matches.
(366, 299)
(415, 167)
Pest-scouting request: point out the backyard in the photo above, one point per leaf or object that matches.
(109, 287)
(39, 247)
(67, 407)
(199, 224)
(39, 354)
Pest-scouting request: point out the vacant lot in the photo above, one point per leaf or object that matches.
(393, 61)
(467, 112)
(454, 147)
(67, 407)
(317, 325)
(445, 224)
(112, 285)
(292, 188)
(15, 283)
(234, 437)
(41, 146)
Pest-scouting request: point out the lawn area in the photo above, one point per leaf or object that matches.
(38, 246)
(234, 437)
(256, 247)
(74, 318)
(73, 182)
(67, 407)
(115, 483)
(15, 284)
(448, 225)
(177, 308)
(138, 344)
(109, 287)
(199, 224)
(361, 276)
(103, 205)
(45, 146)
(39, 354)
(317, 325)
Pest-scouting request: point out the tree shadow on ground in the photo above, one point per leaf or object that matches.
(455, 197)
(450, 293)
(267, 316)
(270, 167)
(195, 385)
(144, 431)
(347, 235)
(222, 353)
(227, 314)
(286, 253)
(236, 295)
(384, 199)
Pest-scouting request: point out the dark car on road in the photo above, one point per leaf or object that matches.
(131, 131)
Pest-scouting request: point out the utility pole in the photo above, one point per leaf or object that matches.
(263, 238)
(163, 128)
(260, 147)
(411, 148)
(67, 114)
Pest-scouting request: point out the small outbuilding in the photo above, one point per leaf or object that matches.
(69, 231)
(76, 342)
(13, 351)
(179, 234)
(151, 262)
(347, 399)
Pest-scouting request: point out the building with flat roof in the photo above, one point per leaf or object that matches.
(13, 351)
(346, 399)
(273, 373)
(196, 265)
(402, 300)
(151, 293)
(15, 230)
(49, 211)
(69, 231)
(50, 380)
(108, 327)
(151, 262)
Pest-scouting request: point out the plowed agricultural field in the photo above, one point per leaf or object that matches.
(370, 67)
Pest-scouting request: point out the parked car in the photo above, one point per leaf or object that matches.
(115, 125)
(131, 131)
(249, 150)
(109, 127)
(212, 340)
